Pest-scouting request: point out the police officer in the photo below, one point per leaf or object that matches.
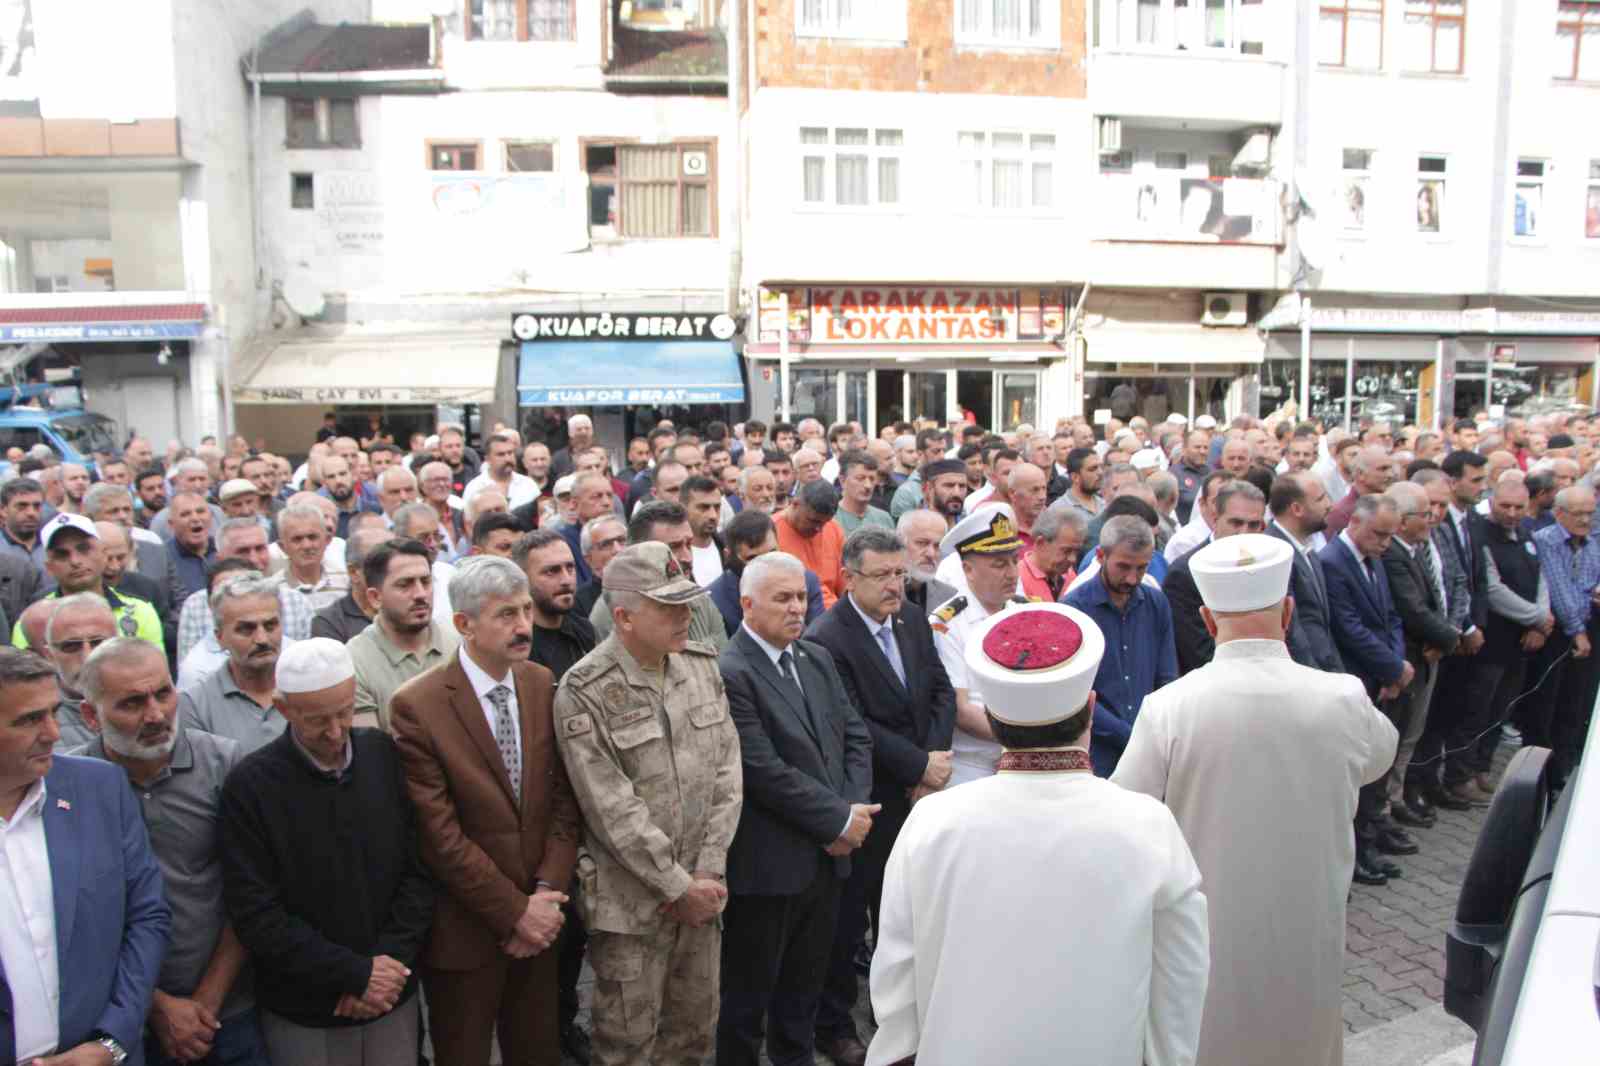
(643, 726)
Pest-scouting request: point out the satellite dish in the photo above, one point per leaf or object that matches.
(303, 296)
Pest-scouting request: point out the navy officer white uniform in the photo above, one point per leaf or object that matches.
(987, 544)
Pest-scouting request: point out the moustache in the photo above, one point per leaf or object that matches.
(263, 649)
(521, 642)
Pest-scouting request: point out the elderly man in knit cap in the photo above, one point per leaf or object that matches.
(334, 977)
(1274, 999)
(971, 967)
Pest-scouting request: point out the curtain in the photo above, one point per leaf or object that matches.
(550, 20)
(649, 179)
(850, 171)
(1007, 20)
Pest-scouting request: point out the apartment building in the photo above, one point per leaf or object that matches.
(495, 210)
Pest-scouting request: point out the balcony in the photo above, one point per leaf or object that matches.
(1187, 232)
(1213, 62)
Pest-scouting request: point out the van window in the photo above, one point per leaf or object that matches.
(23, 437)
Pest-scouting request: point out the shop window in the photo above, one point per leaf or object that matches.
(1026, 23)
(1007, 171)
(1431, 171)
(1350, 34)
(1578, 41)
(1433, 36)
(664, 190)
(851, 166)
(1591, 205)
(322, 123)
(302, 192)
(530, 157)
(450, 155)
(867, 19)
(814, 394)
(1355, 185)
(1528, 201)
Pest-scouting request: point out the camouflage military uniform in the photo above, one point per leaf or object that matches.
(705, 622)
(654, 761)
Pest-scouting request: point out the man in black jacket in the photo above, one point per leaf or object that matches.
(807, 777)
(883, 648)
(1241, 508)
(322, 875)
(1299, 505)
(1419, 597)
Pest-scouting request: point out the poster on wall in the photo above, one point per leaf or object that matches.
(19, 73)
(1229, 210)
(350, 210)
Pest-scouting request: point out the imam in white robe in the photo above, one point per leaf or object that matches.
(1039, 918)
(1260, 760)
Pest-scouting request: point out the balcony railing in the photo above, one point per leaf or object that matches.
(1189, 210)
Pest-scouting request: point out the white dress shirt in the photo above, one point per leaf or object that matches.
(482, 685)
(707, 564)
(443, 612)
(1361, 560)
(523, 489)
(28, 927)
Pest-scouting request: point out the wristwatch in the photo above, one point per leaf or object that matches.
(109, 1042)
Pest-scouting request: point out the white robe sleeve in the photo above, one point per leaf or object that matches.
(1146, 761)
(1181, 962)
(1379, 734)
(893, 982)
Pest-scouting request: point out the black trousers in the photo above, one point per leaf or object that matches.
(1372, 799)
(775, 953)
(1460, 707)
(1574, 706)
(859, 901)
(570, 947)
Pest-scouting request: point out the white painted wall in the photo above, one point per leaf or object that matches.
(385, 225)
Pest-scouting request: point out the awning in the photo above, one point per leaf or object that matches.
(102, 322)
(375, 370)
(615, 373)
(1173, 344)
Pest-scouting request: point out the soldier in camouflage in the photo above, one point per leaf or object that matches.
(643, 727)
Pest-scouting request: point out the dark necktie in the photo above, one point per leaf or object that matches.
(1466, 547)
(505, 738)
(1372, 575)
(1426, 565)
(786, 668)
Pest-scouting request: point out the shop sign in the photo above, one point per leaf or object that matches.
(620, 326)
(105, 331)
(312, 394)
(600, 396)
(853, 315)
(1448, 321)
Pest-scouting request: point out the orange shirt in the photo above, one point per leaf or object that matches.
(822, 554)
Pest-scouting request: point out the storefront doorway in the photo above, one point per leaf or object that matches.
(1155, 395)
(876, 397)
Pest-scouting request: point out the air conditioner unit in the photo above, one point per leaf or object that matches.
(1110, 136)
(1225, 309)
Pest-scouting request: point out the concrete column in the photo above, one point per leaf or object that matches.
(205, 355)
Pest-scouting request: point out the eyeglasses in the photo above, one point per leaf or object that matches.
(884, 577)
(609, 542)
(78, 644)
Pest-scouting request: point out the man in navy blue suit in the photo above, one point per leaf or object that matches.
(1371, 639)
(83, 921)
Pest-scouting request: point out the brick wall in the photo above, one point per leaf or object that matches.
(930, 61)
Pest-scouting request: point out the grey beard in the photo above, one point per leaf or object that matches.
(130, 748)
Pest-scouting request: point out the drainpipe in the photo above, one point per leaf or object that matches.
(255, 152)
(736, 167)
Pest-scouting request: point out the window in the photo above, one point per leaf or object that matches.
(1578, 41)
(322, 123)
(1350, 34)
(1430, 193)
(452, 156)
(519, 20)
(302, 192)
(1433, 36)
(1007, 171)
(1355, 180)
(530, 157)
(1008, 22)
(654, 190)
(872, 19)
(1528, 202)
(1230, 25)
(850, 166)
(1591, 205)
(1172, 160)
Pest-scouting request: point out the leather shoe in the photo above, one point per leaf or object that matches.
(844, 1050)
(1417, 799)
(1367, 874)
(1387, 868)
(575, 1044)
(1394, 841)
(1405, 814)
(1447, 799)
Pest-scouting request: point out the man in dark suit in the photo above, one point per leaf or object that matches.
(1460, 700)
(883, 648)
(1367, 627)
(497, 821)
(83, 868)
(1241, 508)
(1419, 598)
(807, 760)
(1299, 504)
(750, 535)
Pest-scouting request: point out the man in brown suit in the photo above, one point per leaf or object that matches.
(498, 825)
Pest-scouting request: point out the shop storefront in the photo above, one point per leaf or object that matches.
(880, 354)
(1426, 365)
(132, 362)
(629, 369)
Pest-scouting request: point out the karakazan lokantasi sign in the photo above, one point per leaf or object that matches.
(897, 315)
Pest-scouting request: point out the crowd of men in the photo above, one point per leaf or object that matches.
(413, 733)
